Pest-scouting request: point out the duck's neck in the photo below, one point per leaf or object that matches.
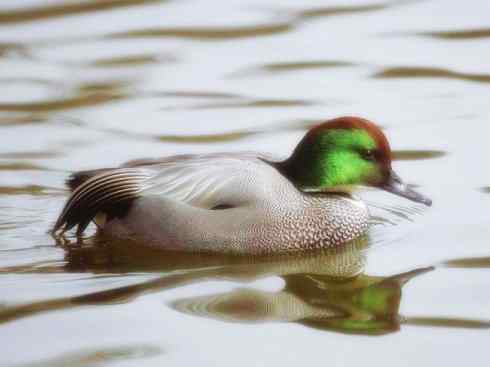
(304, 174)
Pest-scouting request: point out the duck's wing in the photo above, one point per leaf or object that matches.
(213, 180)
(207, 181)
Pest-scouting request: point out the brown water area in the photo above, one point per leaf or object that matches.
(94, 83)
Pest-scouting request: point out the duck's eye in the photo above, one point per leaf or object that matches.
(368, 155)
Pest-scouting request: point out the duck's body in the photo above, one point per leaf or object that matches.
(228, 202)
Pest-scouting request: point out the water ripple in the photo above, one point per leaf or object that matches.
(32, 190)
(21, 119)
(258, 103)
(85, 95)
(428, 72)
(468, 263)
(235, 135)
(284, 67)
(30, 155)
(21, 166)
(206, 138)
(320, 12)
(131, 60)
(64, 9)
(412, 155)
(195, 94)
(93, 357)
(294, 17)
(463, 34)
(208, 33)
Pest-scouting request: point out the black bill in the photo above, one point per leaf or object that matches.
(396, 186)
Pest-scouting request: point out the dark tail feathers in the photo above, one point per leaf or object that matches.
(78, 178)
(103, 190)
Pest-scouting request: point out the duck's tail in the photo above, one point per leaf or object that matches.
(108, 191)
(78, 178)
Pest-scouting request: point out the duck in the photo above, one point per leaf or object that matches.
(242, 202)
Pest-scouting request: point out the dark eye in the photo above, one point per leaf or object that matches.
(368, 155)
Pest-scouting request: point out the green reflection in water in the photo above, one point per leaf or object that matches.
(427, 72)
(98, 357)
(325, 289)
(359, 305)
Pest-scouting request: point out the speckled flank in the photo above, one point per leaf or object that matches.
(318, 223)
(323, 223)
(310, 223)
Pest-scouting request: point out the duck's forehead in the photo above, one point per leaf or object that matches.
(361, 130)
(353, 138)
(380, 139)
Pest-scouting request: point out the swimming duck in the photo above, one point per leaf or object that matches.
(247, 203)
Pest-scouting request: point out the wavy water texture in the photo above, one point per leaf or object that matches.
(21, 166)
(456, 35)
(294, 18)
(33, 190)
(208, 33)
(288, 67)
(22, 119)
(40, 154)
(254, 103)
(428, 72)
(85, 95)
(34, 13)
(413, 155)
(330, 11)
(469, 263)
(93, 83)
(132, 60)
(98, 357)
(230, 136)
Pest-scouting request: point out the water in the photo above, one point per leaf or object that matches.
(95, 83)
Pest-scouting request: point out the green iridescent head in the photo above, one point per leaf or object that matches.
(342, 153)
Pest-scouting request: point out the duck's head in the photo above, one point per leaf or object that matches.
(342, 153)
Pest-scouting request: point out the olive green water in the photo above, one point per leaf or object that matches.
(87, 84)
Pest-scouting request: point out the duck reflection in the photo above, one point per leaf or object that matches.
(359, 305)
(325, 289)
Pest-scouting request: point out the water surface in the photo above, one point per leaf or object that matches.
(87, 84)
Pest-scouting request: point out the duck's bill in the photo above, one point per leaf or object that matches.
(396, 186)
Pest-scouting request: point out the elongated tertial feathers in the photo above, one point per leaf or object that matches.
(100, 193)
